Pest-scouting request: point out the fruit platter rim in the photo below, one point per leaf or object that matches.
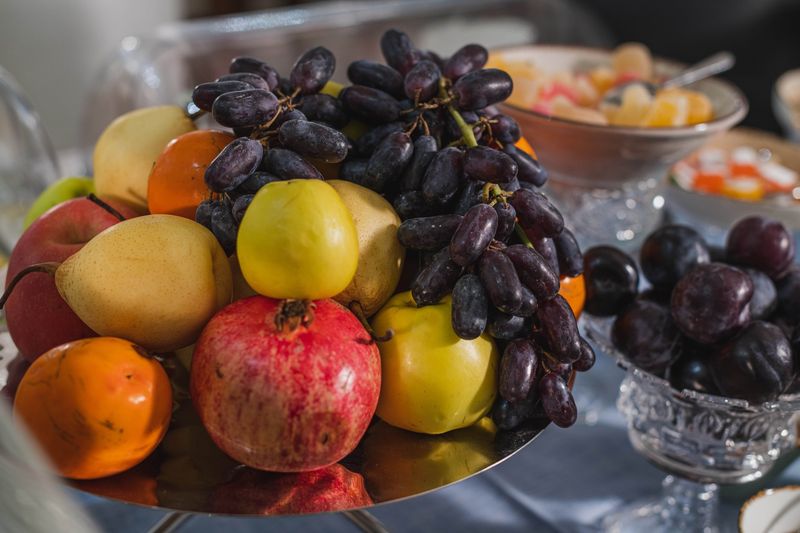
(716, 124)
(596, 330)
(535, 426)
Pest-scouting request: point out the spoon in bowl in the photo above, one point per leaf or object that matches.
(710, 66)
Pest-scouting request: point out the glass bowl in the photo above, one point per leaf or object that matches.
(701, 440)
(610, 178)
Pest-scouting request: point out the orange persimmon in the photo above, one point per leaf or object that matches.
(574, 292)
(526, 147)
(176, 185)
(96, 406)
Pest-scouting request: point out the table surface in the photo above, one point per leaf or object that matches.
(565, 481)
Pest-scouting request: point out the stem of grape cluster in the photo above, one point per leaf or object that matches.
(522, 235)
(466, 129)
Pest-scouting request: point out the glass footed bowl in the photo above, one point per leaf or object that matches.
(700, 439)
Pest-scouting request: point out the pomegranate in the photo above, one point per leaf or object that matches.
(285, 385)
(334, 488)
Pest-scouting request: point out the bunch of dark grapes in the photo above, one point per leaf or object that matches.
(721, 322)
(435, 146)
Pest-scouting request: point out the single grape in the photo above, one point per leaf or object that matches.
(507, 415)
(789, 295)
(312, 70)
(234, 164)
(670, 252)
(487, 164)
(354, 170)
(428, 233)
(611, 280)
(244, 108)
(422, 81)
(367, 143)
(765, 296)
(691, 371)
(529, 170)
(313, 140)
(412, 204)
(506, 218)
(240, 206)
(710, 303)
(511, 186)
(482, 88)
(425, 147)
(202, 215)
(398, 51)
(500, 280)
(756, 365)
(255, 181)
(370, 105)
(646, 334)
(761, 243)
(504, 326)
(470, 193)
(587, 359)
(255, 66)
(466, 59)
(505, 129)
(376, 75)
(253, 80)
(323, 108)
(436, 280)
(536, 214)
(224, 228)
(389, 160)
(443, 176)
(288, 165)
(547, 249)
(551, 364)
(570, 259)
(560, 329)
(530, 305)
(470, 311)
(204, 94)
(557, 401)
(473, 235)
(533, 271)
(517, 370)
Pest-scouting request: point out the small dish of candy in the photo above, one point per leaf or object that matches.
(742, 172)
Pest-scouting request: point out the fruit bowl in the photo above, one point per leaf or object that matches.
(189, 474)
(700, 439)
(613, 190)
(713, 212)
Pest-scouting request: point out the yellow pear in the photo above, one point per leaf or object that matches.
(380, 254)
(154, 280)
(127, 149)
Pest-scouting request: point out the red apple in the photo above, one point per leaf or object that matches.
(333, 488)
(38, 318)
(285, 400)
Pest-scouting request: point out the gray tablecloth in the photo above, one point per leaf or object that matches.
(567, 480)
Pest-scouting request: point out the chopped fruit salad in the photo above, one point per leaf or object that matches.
(578, 94)
(743, 173)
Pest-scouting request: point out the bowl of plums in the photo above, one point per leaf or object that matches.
(610, 106)
(709, 341)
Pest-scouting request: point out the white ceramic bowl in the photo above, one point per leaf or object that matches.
(771, 511)
(609, 179)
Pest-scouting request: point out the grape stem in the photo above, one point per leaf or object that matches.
(522, 235)
(466, 130)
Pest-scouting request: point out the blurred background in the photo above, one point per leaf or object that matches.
(55, 50)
